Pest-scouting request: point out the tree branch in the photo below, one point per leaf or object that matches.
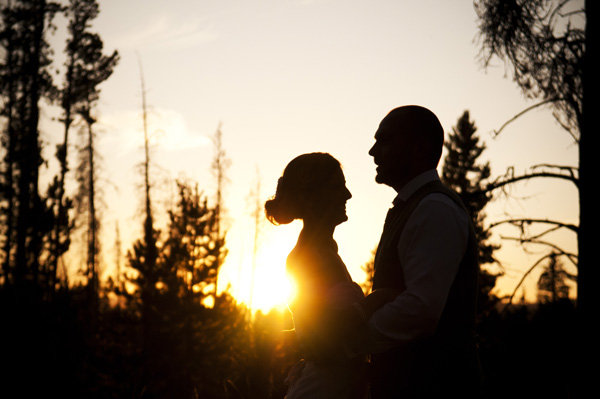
(497, 184)
(570, 169)
(543, 233)
(495, 133)
(571, 256)
(510, 298)
(537, 263)
(524, 221)
(564, 172)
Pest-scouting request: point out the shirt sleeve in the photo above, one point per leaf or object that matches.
(430, 249)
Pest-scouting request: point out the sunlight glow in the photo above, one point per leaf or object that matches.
(263, 284)
(272, 286)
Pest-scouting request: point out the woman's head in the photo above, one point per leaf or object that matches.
(312, 186)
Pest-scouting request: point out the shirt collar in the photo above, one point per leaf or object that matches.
(416, 183)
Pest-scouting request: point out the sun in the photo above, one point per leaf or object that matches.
(271, 287)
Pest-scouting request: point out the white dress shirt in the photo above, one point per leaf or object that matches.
(430, 249)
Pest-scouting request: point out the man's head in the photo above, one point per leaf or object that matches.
(408, 142)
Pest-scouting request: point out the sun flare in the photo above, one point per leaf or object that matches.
(272, 287)
(266, 283)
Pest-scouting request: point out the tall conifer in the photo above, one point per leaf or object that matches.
(463, 173)
(24, 80)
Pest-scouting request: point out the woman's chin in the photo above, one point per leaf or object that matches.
(342, 219)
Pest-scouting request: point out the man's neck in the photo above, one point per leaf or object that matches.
(413, 184)
(407, 178)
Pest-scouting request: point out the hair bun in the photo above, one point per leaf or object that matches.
(276, 212)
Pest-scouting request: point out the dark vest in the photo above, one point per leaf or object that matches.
(446, 362)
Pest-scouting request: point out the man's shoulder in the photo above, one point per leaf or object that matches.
(438, 191)
(441, 198)
(437, 207)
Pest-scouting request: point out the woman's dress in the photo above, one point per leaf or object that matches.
(324, 289)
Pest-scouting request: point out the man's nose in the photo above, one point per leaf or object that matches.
(372, 151)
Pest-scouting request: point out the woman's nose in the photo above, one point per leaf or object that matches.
(372, 151)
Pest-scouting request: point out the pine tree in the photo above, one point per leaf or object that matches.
(142, 258)
(462, 172)
(191, 249)
(172, 294)
(86, 67)
(90, 67)
(24, 80)
(369, 269)
(552, 283)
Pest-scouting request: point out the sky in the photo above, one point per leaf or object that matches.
(286, 77)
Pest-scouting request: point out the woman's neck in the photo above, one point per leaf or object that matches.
(314, 229)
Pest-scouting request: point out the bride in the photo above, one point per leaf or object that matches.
(328, 307)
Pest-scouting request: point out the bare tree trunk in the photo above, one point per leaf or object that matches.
(587, 278)
(587, 297)
(151, 251)
(62, 155)
(28, 237)
(118, 277)
(257, 211)
(219, 166)
(9, 160)
(92, 256)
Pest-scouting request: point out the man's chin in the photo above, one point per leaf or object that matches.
(381, 179)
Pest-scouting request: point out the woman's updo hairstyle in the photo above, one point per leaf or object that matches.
(300, 185)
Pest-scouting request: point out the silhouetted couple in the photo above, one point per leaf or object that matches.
(412, 337)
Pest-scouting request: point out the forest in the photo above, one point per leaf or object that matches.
(157, 327)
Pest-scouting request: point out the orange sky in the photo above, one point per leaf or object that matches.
(295, 76)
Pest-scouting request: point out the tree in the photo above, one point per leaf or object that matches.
(172, 294)
(149, 232)
(89, 69)
(552, 283)
(219, 167)
(25, 80)
(86, 67)
(190, 248)
(8, 89)
(369, 269)
(257, 211)
(554, 61)
(550, 59)
(462, 172)
(143, 256)
(87, 199)
(189, 259)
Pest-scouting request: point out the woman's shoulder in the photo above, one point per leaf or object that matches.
(304, 252)
(294, 258)
(303, 261)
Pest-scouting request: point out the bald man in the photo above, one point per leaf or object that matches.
(422, 342)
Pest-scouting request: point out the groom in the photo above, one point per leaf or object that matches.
(421, 342)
